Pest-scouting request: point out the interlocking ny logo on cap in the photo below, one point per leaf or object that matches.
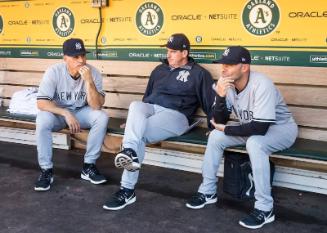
(171, 39)
(78, 46)
(226, 52)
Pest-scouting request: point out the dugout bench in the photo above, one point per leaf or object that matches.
(303, 166)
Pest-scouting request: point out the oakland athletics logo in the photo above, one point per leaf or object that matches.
(63, 22)
(1, 24)
(260, 17)
(149, 18)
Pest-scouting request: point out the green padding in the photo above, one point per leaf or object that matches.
(115, 125)
(303, 148)
(195, 136)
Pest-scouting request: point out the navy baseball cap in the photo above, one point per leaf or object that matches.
(235, 55)
(74, 47)
(178, 41)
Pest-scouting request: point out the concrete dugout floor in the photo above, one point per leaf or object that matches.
(73, 205)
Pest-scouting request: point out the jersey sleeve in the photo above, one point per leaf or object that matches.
(47, 86)
(265, 102)
(97, 78)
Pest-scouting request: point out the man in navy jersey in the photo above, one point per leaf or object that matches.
(175, 90)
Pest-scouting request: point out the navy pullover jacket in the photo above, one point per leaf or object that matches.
(183, 89)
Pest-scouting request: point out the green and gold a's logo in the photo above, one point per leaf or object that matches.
(63, 22)
(260, 17)
(149, 18)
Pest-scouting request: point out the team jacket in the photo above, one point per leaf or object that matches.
(183, 89)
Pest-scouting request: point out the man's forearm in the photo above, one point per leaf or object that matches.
(50, 106)
(94, 99)
(248, 129)
(220, 111)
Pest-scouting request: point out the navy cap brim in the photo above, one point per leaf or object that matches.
(172, 47)
(226, 61)
(77, 53)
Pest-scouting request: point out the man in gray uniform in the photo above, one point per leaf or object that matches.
(175, 90)
(265, 126)
(70, 95)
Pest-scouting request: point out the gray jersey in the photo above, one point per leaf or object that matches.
(57, 85)
(260, 101)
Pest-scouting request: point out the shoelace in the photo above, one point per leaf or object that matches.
(257, 214)
(92, 170)
(45, 175)
(121, 195)
(198, 196)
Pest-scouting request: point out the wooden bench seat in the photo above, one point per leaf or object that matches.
(304, 89)
(302, 148)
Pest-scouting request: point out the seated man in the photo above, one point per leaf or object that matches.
(266, 126)
(175, 90)
(70, 94)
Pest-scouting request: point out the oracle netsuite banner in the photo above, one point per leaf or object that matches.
(277, 32)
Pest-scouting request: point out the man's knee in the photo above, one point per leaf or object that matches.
(136, 106)
(258, 152)
(45, 120)
(101, 117)
(255, 144)
(217, 138)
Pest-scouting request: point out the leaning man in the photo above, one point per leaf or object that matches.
(176, 88)
(265, 126)
(70, 95)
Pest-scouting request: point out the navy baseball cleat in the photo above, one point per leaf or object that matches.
(44, 181)
(128, 160)
(257, 218)
(91, 173)
(120, 199)
(199, 200)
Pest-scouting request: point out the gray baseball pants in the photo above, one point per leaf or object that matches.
(47, 122)
(259, 148)
(149, 123)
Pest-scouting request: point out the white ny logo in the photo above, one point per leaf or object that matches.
(226, 52)
(182, 76)
(78, 46)
(171, 39)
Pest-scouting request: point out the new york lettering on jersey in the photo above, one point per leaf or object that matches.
(59, 86)
(67, 96)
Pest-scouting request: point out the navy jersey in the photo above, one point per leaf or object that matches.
(183, 89)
